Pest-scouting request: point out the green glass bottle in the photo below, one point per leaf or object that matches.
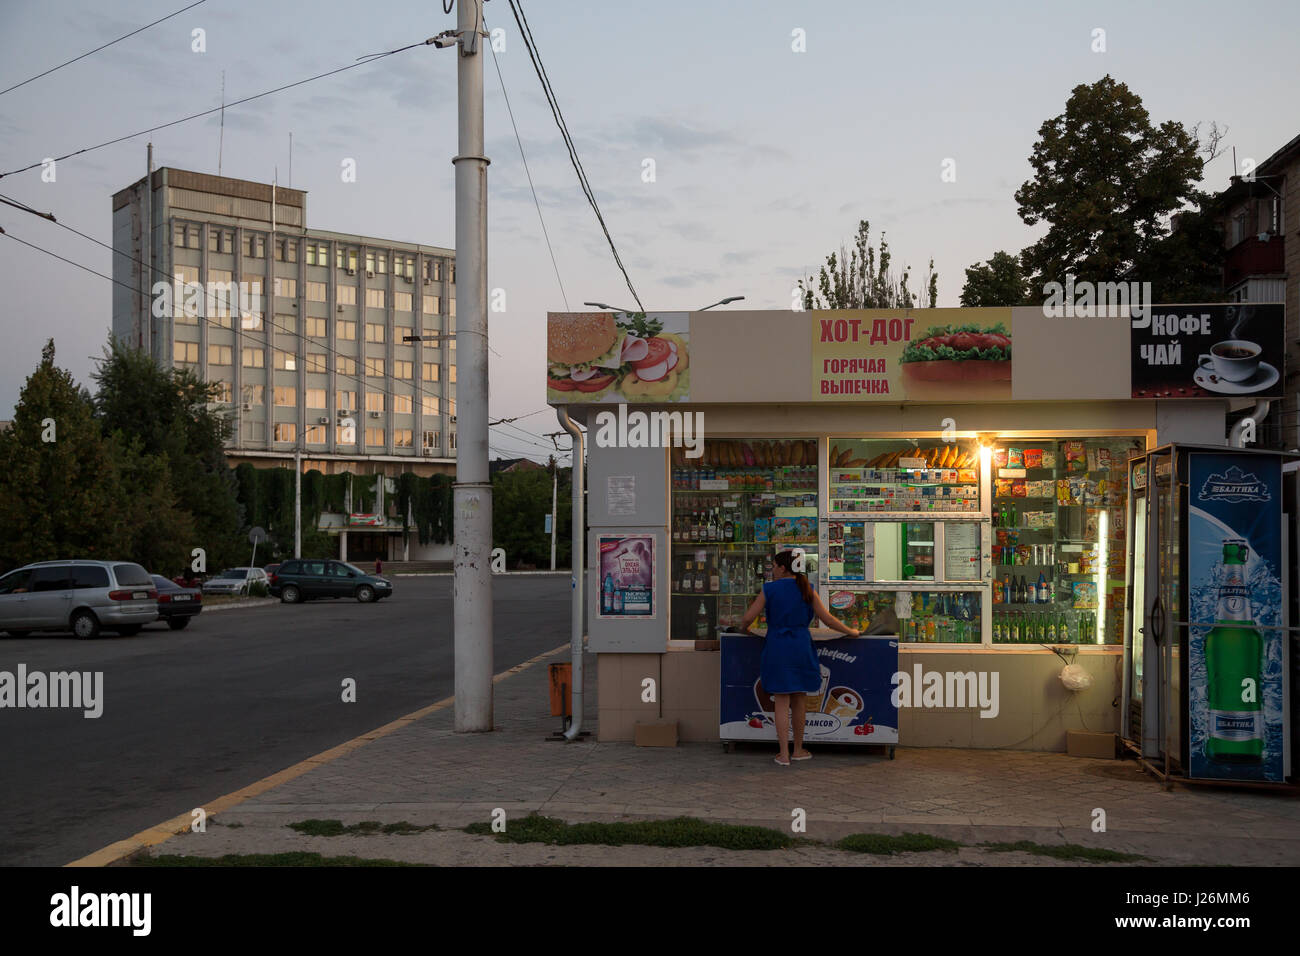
(1233, 662)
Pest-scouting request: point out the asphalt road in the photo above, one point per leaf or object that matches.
(191, 715)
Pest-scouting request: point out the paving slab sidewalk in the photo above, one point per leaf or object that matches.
(425, 773)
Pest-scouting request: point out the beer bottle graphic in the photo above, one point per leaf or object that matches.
(1233, 652)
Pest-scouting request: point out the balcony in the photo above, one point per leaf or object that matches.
(1253, 257)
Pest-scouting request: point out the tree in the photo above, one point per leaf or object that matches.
(520, 503)
(170, 413)
(861, 278)
(1105, 181)
(997, 282)
(152, 528)
(1187, 264)
(58, 494)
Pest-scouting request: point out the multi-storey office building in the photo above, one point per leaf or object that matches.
(337, 347)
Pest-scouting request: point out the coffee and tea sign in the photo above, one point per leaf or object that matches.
(1209, 351)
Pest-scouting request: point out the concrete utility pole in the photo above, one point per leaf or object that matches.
(555, 518)
(472, 492)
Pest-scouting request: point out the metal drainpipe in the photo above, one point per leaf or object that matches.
(1257, 414)
(577, 563)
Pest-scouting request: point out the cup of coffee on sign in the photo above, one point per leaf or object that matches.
(1234, 360)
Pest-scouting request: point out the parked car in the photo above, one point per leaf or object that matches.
(270, 569)
(177, 605)
(80, 596)
(235, 581)
(304, 579)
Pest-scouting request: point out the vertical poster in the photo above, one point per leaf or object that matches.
(1235, 652)
(627, 575)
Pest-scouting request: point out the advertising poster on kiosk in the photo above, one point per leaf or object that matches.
(1236, 654)
(642, 358)
(853, 705)
(1209, 351)
(627, 575)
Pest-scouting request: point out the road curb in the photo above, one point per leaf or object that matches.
(255, 602)
(159, 833)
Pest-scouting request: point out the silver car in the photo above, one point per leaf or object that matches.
(235, 581)
(80, 596)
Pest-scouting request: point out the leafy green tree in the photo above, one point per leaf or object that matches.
(1187, 264)
(58, 486)
(151, 526)
(861, 278)
(1105, 182)
(170, 412)
(998, 282)
(520, 502)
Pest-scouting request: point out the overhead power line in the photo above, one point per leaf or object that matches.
(216, 109)
(103, 47)
(517, 8)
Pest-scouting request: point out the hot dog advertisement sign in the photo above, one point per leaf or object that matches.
(918, 355)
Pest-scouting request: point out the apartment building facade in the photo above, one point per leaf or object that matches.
(1261, 234)
(336, 347)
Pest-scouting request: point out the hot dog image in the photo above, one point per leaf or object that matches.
(962, 357)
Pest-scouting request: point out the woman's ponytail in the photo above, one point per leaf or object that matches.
(786, 560)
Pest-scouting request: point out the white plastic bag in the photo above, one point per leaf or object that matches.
(1074, 677)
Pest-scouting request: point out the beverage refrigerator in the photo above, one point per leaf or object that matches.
(1206, 693)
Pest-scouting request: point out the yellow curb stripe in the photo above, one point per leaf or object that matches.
(181, 823)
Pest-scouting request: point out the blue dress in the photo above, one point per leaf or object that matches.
(789, 663)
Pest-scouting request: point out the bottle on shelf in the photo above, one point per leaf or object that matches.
(688, 577)
(715, 579)
(1041, 590)
(701, 580)
(702, 623)
(695, 526)
(729, 529)
(1065, 629)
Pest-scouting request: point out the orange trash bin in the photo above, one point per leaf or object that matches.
(561, 686)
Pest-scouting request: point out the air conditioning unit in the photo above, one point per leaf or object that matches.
(322, 421)
(247, 406)
(453, 419)
(428, 452)
(408, 278)
(428, 281)
(369, 274)
(351, 272)
(375, 414)
(340, 308)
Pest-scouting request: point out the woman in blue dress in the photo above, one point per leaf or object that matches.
(789, 669)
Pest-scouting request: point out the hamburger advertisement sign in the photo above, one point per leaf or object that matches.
(617, 357)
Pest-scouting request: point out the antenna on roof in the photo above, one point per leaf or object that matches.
(221, 138)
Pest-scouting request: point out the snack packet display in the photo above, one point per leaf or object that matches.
(1033, 458)
(1015, 458)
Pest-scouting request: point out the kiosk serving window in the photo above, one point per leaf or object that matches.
(732, 510)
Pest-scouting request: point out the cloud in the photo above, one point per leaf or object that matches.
(686, 280)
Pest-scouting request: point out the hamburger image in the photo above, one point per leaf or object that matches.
(584, 356)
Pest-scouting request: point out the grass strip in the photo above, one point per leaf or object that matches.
(678, 832)
(263, 859)
(1064, 851)
(883, 845)
(331, 828)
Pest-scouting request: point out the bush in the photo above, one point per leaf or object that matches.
(257, 589)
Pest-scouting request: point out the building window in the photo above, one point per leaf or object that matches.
(315, 291)
(402, 438)
(187, 294)
(310, 252)
(453, 273)
(375, 436)
(344, 365)
(254, 394)
(402, 404)
(288, 288)
(402, 301)
(451, 441)
(451, 373)
(345, 434)
(253, 358)
(451, 306)
(286, 250)
(375, 367)
(213, 241)
(288, 324)
(431, 304)
(374, 332)
(185, 352)
(375, 298)
(429, 404)
(316, 362)
(254, 246)
(315, 435)
(315, 397)
(345, 330)
(223, 392)
(374, 401)
(219, 355)
(285, 431)
(316, 328)
(285, 396)
(381, 262)
(347, 294)
(435, 269)
(178, 235)
(370, 262)
(402, 369)
(401, 332)
(286, 361)
(431, 371)
(430, 440)
(345, 401)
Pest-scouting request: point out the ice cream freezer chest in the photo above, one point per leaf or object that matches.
(853, 705)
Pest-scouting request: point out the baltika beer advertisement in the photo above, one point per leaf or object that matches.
(1208, 351)
(1237, 658)
(627, 575)
(636, 357)
(854, 703)
(916, 355)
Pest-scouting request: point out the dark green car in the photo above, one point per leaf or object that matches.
(301, 579)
